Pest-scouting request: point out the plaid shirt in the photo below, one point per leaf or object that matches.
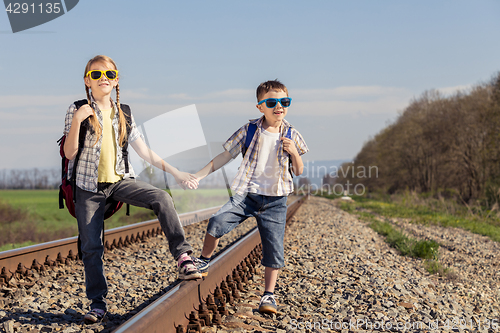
(86, 172)
(234, 144)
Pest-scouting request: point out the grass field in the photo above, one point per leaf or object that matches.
(422, 209)
(427, 210)
(33, 216)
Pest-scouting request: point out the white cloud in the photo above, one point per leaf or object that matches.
(137, 94)
(182, 96)
(349, 92)
(32, 130)
(232, 94)
(452, 90)
(341, 100)
(20, 101)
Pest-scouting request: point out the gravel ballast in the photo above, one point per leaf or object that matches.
(340, 275)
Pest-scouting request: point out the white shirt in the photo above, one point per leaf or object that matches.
(265, 178)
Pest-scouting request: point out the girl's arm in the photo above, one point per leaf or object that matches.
(71, 143)
(218, 162)
(152, 158)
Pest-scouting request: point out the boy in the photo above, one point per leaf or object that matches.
(262, 184)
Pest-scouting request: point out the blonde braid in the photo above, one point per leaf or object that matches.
(122, 122)
(93, 119)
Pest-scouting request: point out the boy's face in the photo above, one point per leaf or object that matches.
(276, 114)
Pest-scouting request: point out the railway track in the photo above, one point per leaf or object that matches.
(17, 264)
(209, 295)
(233, 266)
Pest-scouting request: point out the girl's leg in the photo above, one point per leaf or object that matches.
(89, 209)
(141, 194)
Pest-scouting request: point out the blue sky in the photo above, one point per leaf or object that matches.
(350, 66)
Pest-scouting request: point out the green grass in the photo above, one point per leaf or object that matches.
(429, 212)
(366, 210)
(33, 216)
(435, 267)
(407, 246)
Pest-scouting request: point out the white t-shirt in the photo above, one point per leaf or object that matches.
(265, 178)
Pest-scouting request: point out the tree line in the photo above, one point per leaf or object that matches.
(30, 179)
(438, 144)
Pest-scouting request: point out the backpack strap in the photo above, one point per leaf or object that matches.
(81, 142)
(60, 142)
(248, 139)
(289, 136)
(80, 103)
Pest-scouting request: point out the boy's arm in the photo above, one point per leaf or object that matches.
(215, 164)
(290, 148)
(297, 164)
(182, 178)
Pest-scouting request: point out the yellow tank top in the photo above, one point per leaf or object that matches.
(107, 162)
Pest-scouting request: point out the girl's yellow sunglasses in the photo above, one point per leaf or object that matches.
(95, 75)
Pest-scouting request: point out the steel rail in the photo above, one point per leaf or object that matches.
(170, 310)
(58, 251)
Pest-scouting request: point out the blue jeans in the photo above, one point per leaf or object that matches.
(90, 208)
(270, 213)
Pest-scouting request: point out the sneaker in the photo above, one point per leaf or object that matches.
(188, 271)
(267, 304)
(202, 265)
(94, 316)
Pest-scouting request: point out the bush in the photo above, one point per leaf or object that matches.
(9, 214)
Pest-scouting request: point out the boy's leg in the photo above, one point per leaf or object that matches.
(235, 211)
(89, 211)
(270, 278)
(142, 194)
(268, 302)
(209, 245)
(271, 220)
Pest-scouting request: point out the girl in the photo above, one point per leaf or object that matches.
(101, 176)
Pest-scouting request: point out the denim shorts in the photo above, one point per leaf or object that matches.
(270, 213)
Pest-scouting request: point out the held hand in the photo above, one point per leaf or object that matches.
(192, 185)
(83, 113)
(289, 146)
(185, 179)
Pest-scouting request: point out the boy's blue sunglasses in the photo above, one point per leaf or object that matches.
(271, 102)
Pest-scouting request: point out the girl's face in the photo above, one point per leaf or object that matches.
(103, 86)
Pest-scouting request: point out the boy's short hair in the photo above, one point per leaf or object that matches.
(267, 86)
